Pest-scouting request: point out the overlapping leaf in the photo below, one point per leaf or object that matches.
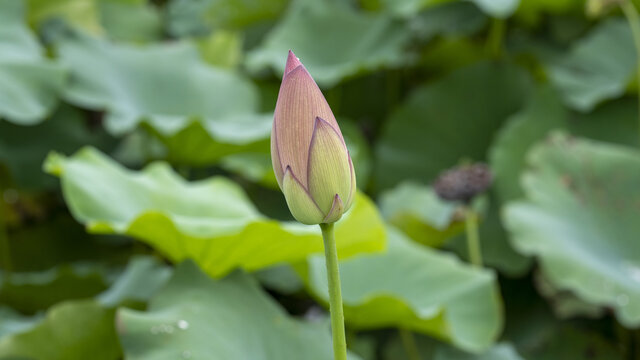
(433, 131)
(211, 221)
(187, 17)
(544, 113)
(201, 113)
(29, 83)
(597, 68)
(417, 288)
(130, 20)
(70, 331)
(580, 217)
(323, 34)
(419, 213)
(232, 318)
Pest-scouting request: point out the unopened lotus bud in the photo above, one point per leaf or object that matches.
(464, 182)
(309, 155)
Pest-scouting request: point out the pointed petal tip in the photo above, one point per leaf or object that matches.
(292, 63)
(323, 122)
(337, 209)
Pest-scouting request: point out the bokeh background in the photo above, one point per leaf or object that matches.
(140, 218)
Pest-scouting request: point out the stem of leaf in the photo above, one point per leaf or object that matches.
(5, 249)
(631, 14)
(496, 37)
(409, 343)
(473, 238)
(335, 293)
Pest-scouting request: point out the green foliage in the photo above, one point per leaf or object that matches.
(140, 217)
(166, 88)
(197, 220)
(305, 30)
(70, 331)
(416, 288)
(29, 83)
(430, 122)
(597, 68)
(580, 192)
(232, 318)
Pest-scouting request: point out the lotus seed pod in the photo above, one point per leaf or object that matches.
(309, 156)
(464, 182)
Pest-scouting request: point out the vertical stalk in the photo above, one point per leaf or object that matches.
(631, 14)
(473, 239)
(496, 37)
(335, 293)
(637, 344)
(409, 343)
(5, 249)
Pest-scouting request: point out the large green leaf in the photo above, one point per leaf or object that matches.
(597, 68)
(232, 318)
(446, 121)
(543, 113)
(201, 113)
(458, 18)
(77, 330)
(323, 34)
(189, 17)
(417, 288)
(130, 20)
(210, 221)
(580, 217)
(29, 83)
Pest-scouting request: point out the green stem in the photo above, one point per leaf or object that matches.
(473, 239)
(496, 37)
(637, 344)
(631, 14)
(5, 249)
(335, 293)
(409, 343)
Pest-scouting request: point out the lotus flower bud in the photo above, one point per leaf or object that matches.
(309, 155)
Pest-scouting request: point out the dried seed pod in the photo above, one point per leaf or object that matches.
(464, 182)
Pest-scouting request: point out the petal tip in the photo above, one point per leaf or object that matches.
(292, 63)
(337, 209)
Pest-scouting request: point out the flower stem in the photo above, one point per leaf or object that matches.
(473, 239)
(631, 14)
(409, 343)
(5, 250)
(495, 38)
(335, 293)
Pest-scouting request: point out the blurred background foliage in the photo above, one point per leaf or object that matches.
(140, 217)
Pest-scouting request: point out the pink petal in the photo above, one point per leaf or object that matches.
(292, 63)
(300, 101)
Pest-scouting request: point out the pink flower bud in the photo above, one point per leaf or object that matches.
(309, 155)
